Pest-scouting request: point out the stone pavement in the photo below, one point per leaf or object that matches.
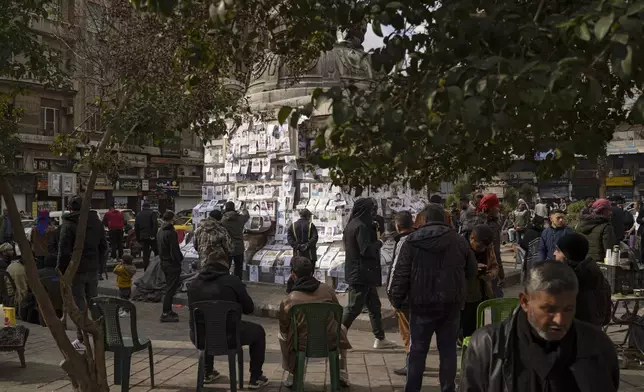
(175, 362)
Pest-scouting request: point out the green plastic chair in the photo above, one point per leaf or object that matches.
(501, 309)
(316, 318)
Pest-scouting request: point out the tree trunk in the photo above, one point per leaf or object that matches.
(602, 164)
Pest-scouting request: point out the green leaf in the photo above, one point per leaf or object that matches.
(377, 29)
(394, 5)
(583, 32)
(283, 114)
(430, 100)
(635, 9)
(533, 96)
(603, 26)
(627, 62)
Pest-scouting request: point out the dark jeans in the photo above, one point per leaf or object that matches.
(148, 246)
(172, 282)
(125, 292)
(84, 288)
(238, 261)
(468, 318)
(253, 336)
(116, 243)
(421, 329)
(359, 297)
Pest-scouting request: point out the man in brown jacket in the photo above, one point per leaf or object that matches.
(307, 289)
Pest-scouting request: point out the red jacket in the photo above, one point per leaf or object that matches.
(114, 220)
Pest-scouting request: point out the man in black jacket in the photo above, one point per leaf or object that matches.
(619, 218)
(362, 270)
(431, 274)
(593, 299)
(214, 283)
(85, 284)
(303, 237)
(234, 222)
(171, 257)
(541, 347)
(145, 229)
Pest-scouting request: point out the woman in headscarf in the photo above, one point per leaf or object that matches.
(598, 230)
(41, 236)
(362, 269)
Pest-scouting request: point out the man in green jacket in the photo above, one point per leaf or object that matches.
(234, 222)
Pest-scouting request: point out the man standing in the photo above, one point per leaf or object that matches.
(303, 237)
(598, 230)
(404, 227)
(234, 222)
(431, 274)
(362, 270)
(619, 219)
(85, 283)
(541, 347)
(490, 208)
(171, 258)
(214, 283)
(550, 235)
(211, 235)
(145, 229)
(115, 222)
(521, 218)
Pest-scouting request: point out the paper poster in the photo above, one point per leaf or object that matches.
(319, 275)
(253, 273)
(242, 193)
(244, 164)
(266, 165)
(317, 190)
(252, 145)
(279, 279)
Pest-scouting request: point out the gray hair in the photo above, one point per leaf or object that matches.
(552, 277)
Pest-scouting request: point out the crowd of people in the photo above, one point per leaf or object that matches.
(445, 264)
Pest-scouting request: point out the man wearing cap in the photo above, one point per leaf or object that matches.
(145, 228)
(593, 297)
(302, 235)
(598, 230)
(212, 234)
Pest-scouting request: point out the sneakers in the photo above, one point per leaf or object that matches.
(211, 377)
(344, 379)
(124, 313)
(78, 346)
(288, 383)
(170, 317)
(401, 372)
(383, 343)
(257, 382)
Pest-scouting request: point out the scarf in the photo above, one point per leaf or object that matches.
(544, 366)
(305, 284)
(43, 222)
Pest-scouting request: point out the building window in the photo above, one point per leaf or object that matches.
(92, 119)
(50, 120)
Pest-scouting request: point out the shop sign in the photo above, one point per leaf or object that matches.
(145, 185)
(190, 189)
(135, 160)
(101, 184)
(166, 185)
(42, 182)
(128, 185)
(619, 181)
(54, 180)
(494, 183)
(552, 183)
(171, 149)
(98, 195)
(175, 161)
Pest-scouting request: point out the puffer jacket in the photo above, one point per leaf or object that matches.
(433, 267)
(549, 238)
(400, 240)
(307, 290)
(593, 300)
(362, 249)
(234, 222)
(94, 248)
(489, 363)
(599, 232)
(168, 244)
(209, 235)
(146, 225)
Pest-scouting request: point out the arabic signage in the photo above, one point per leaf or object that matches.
(145, 185)
(102, 183)
(128, 185)
(42, 182)
(135, 160)
(168, 186)
(175, 161)
(172, 148)
(619, 181)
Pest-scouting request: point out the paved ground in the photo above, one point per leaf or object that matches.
(175, 362)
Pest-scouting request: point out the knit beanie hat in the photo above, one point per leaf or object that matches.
(574, 246)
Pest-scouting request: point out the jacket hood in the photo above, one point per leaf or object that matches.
(588, 222)
(307, 284)
(213, 271)
(431, 236)
(584, 264)
(362, 210)
(167, 226)
(208, 224)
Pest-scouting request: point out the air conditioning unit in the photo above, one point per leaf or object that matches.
(186, 152)
(625, 172)
(69, 110)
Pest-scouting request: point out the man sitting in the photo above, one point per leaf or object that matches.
(307, 289)
(541, 347)
(214, 283)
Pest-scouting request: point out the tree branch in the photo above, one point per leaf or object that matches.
(536, 14)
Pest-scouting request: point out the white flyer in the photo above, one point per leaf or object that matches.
(253, 273)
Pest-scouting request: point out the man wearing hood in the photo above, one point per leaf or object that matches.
(302, 235)
(212, 234)
(234, 222)
(521, 219)
(598, 230)
(145, 229)
(307, 289)
(85, 283)
(593, 298)
(362, 270)
(214, 283)
(433, 266)
(171, 257)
